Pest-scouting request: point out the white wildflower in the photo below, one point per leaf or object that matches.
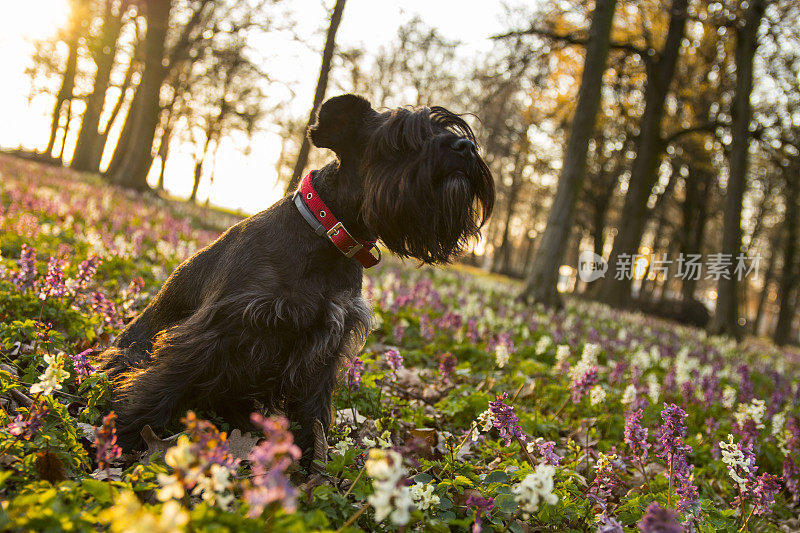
(535, 489)
(653, 387)
(629, 395)
(391, 498)
(728, 397)
(343, 445)
(171, 488)
(53, 375)
(562, 353)
(755, 411)
(501, 355)
(597, 395)
(173, 518)
(684, 365)
(655, 355)
(180, 456)
(641, 359)
(486, 421)
(423, 496)
(778, 423)
(544, 343)
(213, 488)
(589, 354)
(733, 457)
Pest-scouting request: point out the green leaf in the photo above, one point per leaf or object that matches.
(506, 503)
(445, 503)
(498, 476)
(98, 489)
(423, 478)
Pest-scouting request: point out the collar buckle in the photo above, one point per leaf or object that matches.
(334, 232)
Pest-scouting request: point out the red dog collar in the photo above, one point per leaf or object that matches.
(319, 216)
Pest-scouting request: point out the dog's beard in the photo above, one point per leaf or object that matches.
(429, 221)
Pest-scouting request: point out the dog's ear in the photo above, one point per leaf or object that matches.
(339, 124)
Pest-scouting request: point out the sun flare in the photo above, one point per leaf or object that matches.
(32, 20)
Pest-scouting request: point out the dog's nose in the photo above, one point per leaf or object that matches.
(464, 147)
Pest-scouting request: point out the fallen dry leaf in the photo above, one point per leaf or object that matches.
(241, 444)
(320, 448)
(155, 444)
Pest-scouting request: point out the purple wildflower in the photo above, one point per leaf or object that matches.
(207, 441)
(54, 281)
(659, 520)
(504, 419)
(608, 524)
(791, 467)
(26, 427)
(482, 505)
(399, 331)
(605, 480)
(472, 331)
(447, 363)
(394, 360)
(104, 307)
(636, 436)
(546, 450)
(618, 373)
(269, 461)
(426, 328)
(745, 383)
(81, 364)
(26, 275)
(105, 442)
(86, 271)
(582, 382)
(674, 451)
(352, 376)
(767, 487)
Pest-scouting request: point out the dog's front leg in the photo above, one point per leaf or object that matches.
(310, 405)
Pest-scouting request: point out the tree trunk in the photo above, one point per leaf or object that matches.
(659, 213)
(65, 92)
(542, 282)
(501, 255)
(97, 156)
(769, 275)
(198, 167)
(67, 120)
(649, 148)
(163, 153)
(726, 315)
(789, 274)
(319, 94)
(198, 172)
(89, 138)
(500, 259)
(136, 158)
(600, 210)
(694, 212)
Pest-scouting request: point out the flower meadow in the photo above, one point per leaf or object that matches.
(465, 411)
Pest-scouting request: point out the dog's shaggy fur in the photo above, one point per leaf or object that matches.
(263, 316)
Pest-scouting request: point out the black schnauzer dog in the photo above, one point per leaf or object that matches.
(263, 316)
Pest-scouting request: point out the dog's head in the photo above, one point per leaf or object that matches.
(426, 191)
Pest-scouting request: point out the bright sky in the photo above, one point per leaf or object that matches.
(244, 182)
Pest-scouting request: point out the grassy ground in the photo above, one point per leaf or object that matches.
(465, 409)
